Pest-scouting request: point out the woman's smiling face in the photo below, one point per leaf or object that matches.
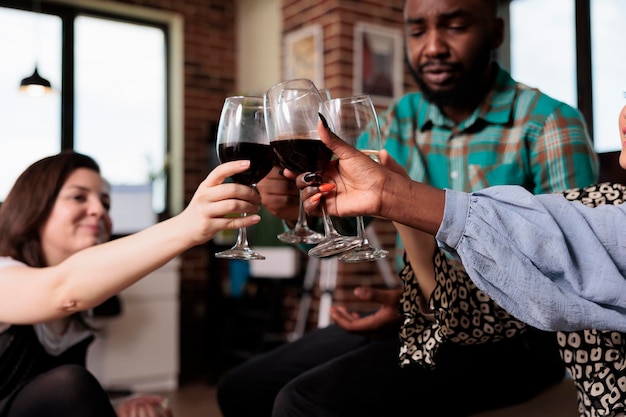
(80, 216)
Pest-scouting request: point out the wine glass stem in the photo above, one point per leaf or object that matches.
(360, 230)
(302, 222)
(242, 236)
(329, 229)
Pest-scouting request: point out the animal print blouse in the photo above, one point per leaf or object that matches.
(461, 313)
(596, 360)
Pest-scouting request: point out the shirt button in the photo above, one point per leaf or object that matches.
(454, 174)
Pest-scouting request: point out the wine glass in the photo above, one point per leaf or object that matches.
(241, 134)
(356, 122)
(292, 110)
(325, 93)
(285, 92)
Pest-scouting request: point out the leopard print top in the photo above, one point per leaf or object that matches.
(596, 360)
(462, 314)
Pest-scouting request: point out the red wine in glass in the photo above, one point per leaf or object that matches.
(302, 155)
(261, 158)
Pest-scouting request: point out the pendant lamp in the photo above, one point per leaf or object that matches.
(35, 84)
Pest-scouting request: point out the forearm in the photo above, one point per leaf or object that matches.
(412, 203)
(551, 263)
(94, 274)
(88, 277)
(419, 247)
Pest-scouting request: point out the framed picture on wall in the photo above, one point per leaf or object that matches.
(378, 62)
(304, 55)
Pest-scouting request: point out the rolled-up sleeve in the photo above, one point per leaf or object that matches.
(551, 263)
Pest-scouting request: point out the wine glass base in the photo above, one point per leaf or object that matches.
(334, 246)
(245, 254)
(303, 235)
(363, 254)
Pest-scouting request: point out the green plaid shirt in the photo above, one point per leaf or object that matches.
(518, 135)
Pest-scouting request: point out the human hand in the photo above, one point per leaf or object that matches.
(356, 179)
(388, 162)
(144, 406)
(213, 200)
(386, 314)
(279, 194)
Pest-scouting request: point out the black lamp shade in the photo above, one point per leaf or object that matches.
(35, 84)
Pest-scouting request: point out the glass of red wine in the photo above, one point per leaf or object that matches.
(356, 122)
(292, 110)
(281, 93)
(242, 134)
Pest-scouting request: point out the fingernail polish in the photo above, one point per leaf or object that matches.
(323, 119)
(315, 198)
(310, 177)
(326, 187)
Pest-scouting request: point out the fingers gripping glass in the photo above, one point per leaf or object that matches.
(241, 134)
(292, 114)
(356, 123)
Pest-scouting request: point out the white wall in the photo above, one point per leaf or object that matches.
(259, 28)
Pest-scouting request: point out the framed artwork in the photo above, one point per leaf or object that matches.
(304, 55)
(378, 62)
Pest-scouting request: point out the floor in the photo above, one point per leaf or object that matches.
(198, 400)
(194, 400)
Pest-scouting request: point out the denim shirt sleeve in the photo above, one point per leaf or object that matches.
(554, 264)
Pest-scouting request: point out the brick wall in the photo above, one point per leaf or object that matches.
(209, 76)
(338, 18)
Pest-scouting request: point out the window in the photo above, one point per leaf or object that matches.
(30, 127)
(120, 100)
(110, 73)
(609, 71)
(534, 58)
(553, 56)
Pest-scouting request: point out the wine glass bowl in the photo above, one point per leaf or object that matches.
(242, 134)
(356, 123)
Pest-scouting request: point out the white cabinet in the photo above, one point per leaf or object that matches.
(139, 349)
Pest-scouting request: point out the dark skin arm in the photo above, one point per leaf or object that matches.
(354, 184)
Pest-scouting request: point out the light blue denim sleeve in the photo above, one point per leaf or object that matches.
(552, 263)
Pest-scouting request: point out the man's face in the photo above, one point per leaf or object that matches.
(449, 45)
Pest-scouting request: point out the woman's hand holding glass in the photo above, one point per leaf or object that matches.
(356, 122)
(215, 200)
(356, 189)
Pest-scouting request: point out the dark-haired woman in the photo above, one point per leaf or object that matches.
(55, 266)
